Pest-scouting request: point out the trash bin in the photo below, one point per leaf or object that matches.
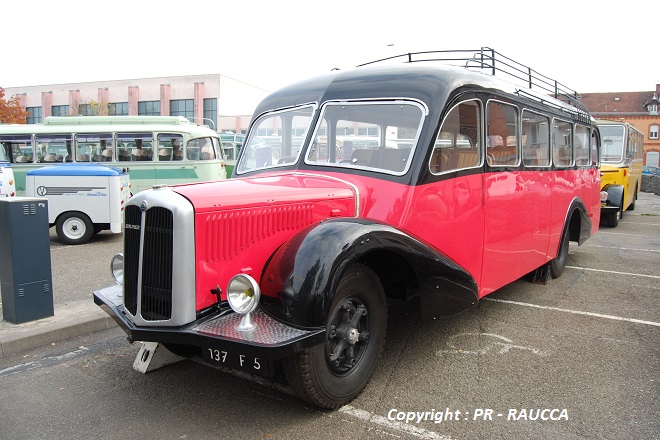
(25, 272)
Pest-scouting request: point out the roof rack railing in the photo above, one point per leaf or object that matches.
(487, 59)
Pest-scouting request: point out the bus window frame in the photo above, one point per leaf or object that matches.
(517, 125)
(433, 167)
(571, 164)
(548, 148)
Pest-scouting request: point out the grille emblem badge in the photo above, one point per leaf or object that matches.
(143, 206)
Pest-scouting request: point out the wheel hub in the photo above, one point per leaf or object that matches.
(348, 336)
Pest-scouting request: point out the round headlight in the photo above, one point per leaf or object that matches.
(117, 268)
(243, 294)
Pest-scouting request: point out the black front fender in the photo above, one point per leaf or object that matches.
(304, 272)
(614, 195)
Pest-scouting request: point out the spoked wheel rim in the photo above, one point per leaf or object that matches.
(348, 336)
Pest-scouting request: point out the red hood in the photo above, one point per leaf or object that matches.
(268, 190)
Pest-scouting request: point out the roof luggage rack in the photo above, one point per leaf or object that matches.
(490, 61)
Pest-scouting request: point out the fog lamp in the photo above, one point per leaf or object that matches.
(243, 295)
(603, 196)
(117, 268)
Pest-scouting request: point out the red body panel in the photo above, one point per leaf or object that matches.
(498, 226)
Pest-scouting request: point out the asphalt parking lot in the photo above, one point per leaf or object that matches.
(577, 358)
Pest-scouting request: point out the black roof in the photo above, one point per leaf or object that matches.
(430, 84)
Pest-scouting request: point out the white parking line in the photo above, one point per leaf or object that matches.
(397, 426)
(575, 312)
(346, 409)
(621, 233)
(622, 249)
(615, 272)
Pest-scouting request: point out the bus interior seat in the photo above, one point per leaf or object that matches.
(107, 155)
(393, 159)
(164, 154)
(124, 156)
(463, 159)
(21, 159)
(364, 156)
(50, 158)
(82, 157)
(502, 156)
(439, 160)
(136, 154)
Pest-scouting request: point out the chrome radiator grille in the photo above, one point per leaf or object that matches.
(133, 220)
(155, 282)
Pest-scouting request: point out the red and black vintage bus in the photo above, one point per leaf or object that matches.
(417, 180)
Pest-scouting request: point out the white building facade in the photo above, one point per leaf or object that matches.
(221, 102)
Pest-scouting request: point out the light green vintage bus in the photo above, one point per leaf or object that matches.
(154, 149)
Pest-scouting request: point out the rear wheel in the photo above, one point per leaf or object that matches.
(332, 374)
(74, 228)
(558, 264)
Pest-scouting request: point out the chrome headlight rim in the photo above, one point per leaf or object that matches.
(243, 294)
(117, 268)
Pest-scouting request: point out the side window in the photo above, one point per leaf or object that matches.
(562, 143)
(201, 149)
(52, 148)
(502, 135)
(582, 146)
(457, 145)
(170, 147)
(132, 147)
(16, 147)
(535, 139)
(93, 147)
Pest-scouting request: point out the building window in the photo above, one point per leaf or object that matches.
(211, 112)
(653, 109)
(183, 107)
(118, 109)
(85, 110)
(149, 108)
(34, 115)
(653, 131)
(60, 110)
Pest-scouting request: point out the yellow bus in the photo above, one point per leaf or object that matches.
(622, 155)
(155, 149)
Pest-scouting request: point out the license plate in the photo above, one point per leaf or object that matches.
(229, 359)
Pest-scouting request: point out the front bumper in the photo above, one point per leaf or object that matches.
(270, 340)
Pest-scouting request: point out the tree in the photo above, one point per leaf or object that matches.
(90, 108)
(11, 111)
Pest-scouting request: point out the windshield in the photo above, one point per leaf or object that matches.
(611, 143)
(275, 139)
(372, 135)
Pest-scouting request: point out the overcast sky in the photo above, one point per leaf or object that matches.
(272, 43)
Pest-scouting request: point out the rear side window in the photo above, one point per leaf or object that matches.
(582, 145)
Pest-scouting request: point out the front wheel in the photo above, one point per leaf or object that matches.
(332, 374)
(74, 228)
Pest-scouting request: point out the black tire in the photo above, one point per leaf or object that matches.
(612, 219)
(332, 374)
(74, 228)
(558, 264)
